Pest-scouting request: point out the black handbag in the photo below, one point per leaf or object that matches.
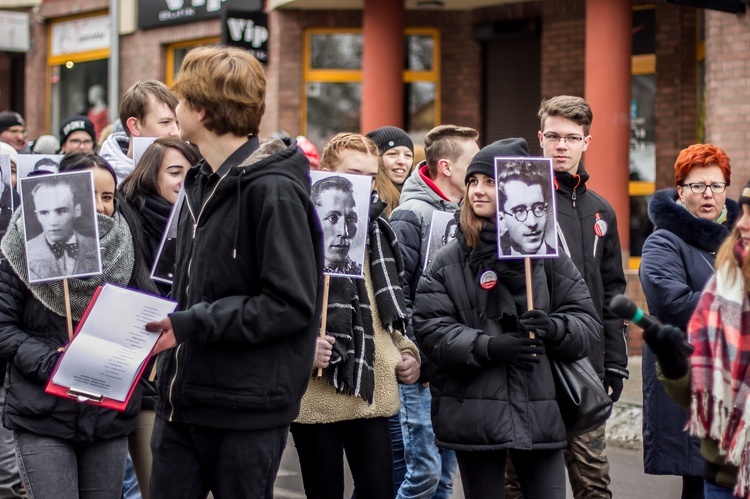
(584, 403)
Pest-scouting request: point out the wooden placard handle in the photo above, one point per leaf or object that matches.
(67, 308)
(529, 290)
(324, 316)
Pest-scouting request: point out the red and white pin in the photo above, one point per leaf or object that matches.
(488, 279)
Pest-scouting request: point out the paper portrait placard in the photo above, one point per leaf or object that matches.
(165, 259)
(28, 163)
(140, 144)
(7, 198)
(442, 231)
(342, 202)
(59, 220)
(526, 210)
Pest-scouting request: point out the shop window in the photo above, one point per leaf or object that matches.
(176, 52)
(77, 62)
(642, 127)
(333, 82)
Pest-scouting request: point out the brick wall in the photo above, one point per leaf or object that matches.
(728, 90)
(563, 47)
(676, 87)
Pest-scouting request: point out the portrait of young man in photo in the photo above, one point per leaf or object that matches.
(526, 212)
(339, 201)
(56, 204)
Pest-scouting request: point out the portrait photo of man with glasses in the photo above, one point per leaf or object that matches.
(525, 208)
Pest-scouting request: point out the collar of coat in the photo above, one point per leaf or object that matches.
(665, 213)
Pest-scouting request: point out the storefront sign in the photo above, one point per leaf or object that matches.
(14, 36)
(81, 35)
(247, 30)
(155, 13)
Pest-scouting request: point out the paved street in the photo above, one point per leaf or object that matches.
(628, 479)
(625, 454)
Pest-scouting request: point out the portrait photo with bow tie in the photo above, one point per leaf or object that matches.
(60, 226)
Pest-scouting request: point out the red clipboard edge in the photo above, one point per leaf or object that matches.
(64, 392)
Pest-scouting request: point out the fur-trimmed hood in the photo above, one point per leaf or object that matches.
(665, 213)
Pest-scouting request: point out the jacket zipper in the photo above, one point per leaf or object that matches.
(573, 197)
(187, 288)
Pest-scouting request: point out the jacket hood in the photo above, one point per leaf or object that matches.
(114, 150)
(415, 189)
(665, 213)
(275, 157)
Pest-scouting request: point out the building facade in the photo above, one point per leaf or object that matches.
(684, 72)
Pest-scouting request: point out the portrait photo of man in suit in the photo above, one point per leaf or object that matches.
(62, 249)
(525, 208)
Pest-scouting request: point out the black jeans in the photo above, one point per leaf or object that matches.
(367, 443)
(190, 461)
(540, 472)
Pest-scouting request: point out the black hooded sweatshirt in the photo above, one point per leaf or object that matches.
(248, 284)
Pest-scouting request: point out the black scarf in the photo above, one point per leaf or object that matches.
(497, 303)
(352, 370)
(154, 213)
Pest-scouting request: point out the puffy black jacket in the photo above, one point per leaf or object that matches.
(676, 263)
(482, 405)
(598, 259)
(248, 285)
(30, 335)
(412, 221)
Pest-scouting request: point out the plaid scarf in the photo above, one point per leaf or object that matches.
(352, 370)
(720, 375)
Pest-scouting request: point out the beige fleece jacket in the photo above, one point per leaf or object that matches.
(321, 403)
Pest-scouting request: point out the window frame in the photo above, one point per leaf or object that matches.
(310, 75)
(172, 47)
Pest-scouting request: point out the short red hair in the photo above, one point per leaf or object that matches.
(701, 156)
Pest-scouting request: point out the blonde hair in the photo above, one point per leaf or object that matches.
(227, 84)
(726, 256)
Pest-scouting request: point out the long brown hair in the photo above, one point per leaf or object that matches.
(144, 179)
(471, 224)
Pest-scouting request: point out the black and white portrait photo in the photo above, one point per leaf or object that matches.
(37, 164)
(442, 231)
(7, 198)
(59, 218)
(166, 258)
(342, 202)
(140, 144)
(526, 214)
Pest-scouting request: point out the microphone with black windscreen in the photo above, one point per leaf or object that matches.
(624, 307)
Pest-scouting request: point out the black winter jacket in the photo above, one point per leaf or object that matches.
(412, 221)
(30, 335)
(598, 259)
(480, 405)
(676, 263)
(248, 285)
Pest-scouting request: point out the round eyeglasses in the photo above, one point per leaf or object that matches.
(700, 187)
(521, 213)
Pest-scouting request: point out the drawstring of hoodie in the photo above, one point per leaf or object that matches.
(239, 213)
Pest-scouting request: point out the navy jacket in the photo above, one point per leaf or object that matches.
(677, 261)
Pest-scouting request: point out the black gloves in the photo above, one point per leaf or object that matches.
(538, 321)
(613, 382)
(665, 342)
(515, 350)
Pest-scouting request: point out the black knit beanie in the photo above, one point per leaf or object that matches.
(389, 137)
(484, 160)
(744, 195)
(10, 119)
(73, 124)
